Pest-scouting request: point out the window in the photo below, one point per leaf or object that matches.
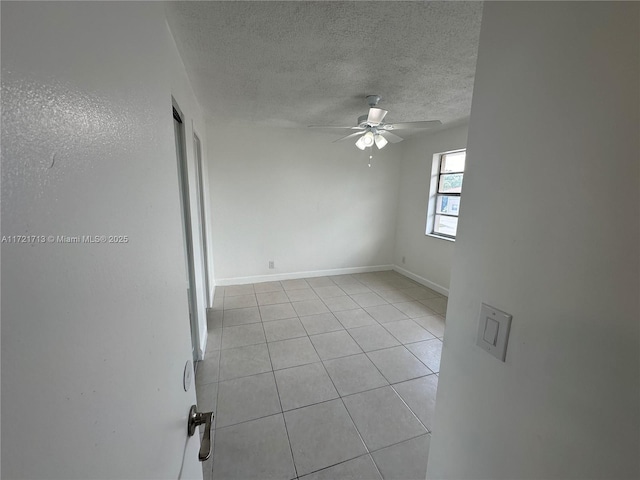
(444, 206)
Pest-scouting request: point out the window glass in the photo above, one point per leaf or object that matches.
(446, 225)
(450, 183)
(444, 205)
(448, 204)
(453, 162)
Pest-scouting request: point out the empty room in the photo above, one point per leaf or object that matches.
(320, 240)
(331, 270)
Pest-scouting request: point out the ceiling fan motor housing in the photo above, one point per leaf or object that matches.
(373, 100)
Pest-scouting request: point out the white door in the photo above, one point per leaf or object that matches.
(95, 325)
(197, 149)
(187, 230)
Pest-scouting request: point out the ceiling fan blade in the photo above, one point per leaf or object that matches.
(353, 135)
(392, 137)
(376, 115)
(333, 127)
(413, 125)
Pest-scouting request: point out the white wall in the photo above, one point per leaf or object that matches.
(94, 337)
(294, 197)
(427, 259)
(549, 232)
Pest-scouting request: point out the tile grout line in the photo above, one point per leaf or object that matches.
(213, 444)
(408, 343)
(310, 363)
(217, 382)
(427, 431)
(401, 343)
(366, 447)
(371, 361)
(427, 367)
(298, 317)
(351, 459)
(410, 409)
(380, 324)
(365, 353)
(322, 401)
(275, 382)
(396, 444)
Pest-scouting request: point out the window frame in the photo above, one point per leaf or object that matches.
(435, 194)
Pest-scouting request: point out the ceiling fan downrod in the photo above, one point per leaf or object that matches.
(373, 100)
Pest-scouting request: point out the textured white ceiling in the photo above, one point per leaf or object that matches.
(301, 63)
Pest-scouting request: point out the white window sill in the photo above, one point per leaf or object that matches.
(433, 235)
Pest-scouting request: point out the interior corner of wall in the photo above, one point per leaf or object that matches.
(421, 280)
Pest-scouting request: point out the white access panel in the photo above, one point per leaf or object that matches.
(493, 331)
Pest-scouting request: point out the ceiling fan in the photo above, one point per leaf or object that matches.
(372, 130)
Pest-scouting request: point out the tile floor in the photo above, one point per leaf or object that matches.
(322, 378)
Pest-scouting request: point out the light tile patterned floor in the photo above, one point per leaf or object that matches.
(322, 378)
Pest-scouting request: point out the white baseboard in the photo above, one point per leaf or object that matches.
(296, 275)
(422, 280)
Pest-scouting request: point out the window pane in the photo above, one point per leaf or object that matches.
(445, 225)
(453, 162)
(450, 183)
(448, 204)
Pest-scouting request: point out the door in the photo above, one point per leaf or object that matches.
(95, 336)
(197, 148)
(187, 230)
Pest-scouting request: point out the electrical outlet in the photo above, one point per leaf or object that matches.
(271, 265)
(403, 260)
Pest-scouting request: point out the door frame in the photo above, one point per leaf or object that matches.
(198, 158)
(187, 228)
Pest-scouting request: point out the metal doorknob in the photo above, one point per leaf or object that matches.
(198, 418)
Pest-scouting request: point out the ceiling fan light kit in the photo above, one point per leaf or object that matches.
(381, 142)
(368, 139)
(372, 130)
